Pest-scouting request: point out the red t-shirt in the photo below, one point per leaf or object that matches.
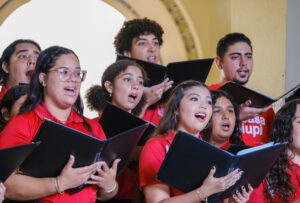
(22, 128)
(154, 115)
(151, 159)
(258, 194)
(255, 131)
(2, 91)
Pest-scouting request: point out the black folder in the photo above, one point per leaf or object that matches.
(190, 159)
(58, 142)
(11, 158)
(115, 120)
(176, 71)
(241, 94)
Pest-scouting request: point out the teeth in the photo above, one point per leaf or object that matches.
(200, 115)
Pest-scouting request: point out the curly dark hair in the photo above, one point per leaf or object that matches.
(170, 119)
(235, 138)
(8, 52)
(229, 40)
(97, 96)
(134, 28)
(278, 179)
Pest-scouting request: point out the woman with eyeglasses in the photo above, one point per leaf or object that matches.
(54, 94)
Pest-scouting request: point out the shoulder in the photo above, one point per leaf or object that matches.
(21, 129)
(96, 128)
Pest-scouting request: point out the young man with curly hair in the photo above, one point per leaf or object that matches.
(142, 39)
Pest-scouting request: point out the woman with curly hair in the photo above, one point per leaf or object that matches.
(282, 184)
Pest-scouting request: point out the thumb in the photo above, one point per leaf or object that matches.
(70, 161)
(115, 164)
(212, 172)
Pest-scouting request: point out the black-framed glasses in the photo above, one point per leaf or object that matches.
(65, 73)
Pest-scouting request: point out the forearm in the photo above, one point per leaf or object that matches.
(21, 187)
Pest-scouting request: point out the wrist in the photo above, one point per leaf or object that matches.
(57, 186)
(112, 188)
(201, 195)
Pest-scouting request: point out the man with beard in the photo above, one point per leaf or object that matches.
(235, 62)
(18, 63)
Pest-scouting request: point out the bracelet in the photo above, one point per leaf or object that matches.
(201, 198)
(113, 188)
(57, 186)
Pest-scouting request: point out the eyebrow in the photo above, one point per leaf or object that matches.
(26, 50)
(238, 53)
(124, 74)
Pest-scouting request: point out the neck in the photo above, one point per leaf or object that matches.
(195, 134)
(296, 157)
(9, 84)
(61, 114)
(218, 142)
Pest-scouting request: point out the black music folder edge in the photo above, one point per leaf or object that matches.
(58, 142)
(11, 158)
(190, 159)
(115, 120)
(180, 71)
(241, 94)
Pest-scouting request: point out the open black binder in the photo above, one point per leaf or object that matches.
(58, 142)
(115, 120)
(177, 71)
(11, 158)
(241, 94)
(190, 159)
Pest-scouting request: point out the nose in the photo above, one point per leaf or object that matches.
(135, 85)
(243, 61)
(225, 115)
(151, 47)
(31, 60)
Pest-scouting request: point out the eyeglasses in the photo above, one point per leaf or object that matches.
(65, 73)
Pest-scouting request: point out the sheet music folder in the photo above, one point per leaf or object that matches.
(11, 158)
(241, 94)
(115, 120)
(190, 159)
(177, 71)
(58, 142)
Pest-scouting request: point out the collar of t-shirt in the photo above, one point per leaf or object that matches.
(43, 113)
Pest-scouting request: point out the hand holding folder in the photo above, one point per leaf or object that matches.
(58, 142)
(189, 161)
(11, 158)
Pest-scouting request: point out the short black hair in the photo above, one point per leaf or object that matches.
(134, 28)
(229, 40)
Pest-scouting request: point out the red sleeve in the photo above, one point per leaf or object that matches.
(19, 130)
(151, 159)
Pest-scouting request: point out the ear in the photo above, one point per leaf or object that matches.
(5, 113)
(219, 62)
(127, 53)
(42, 78)
(108, 86)
(5, 67)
